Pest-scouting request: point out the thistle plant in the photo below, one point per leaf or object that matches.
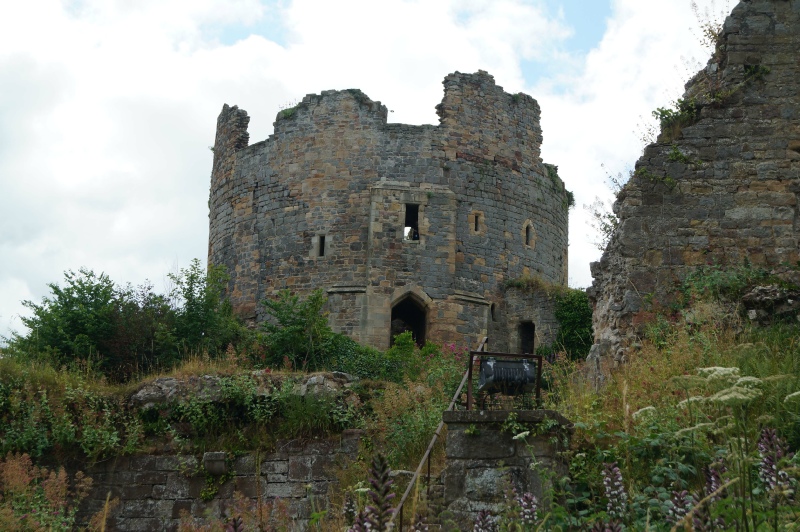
(350, 509)
(615, 491)
(485, 522)
(235, 524)
(772, 449)
(713, 473)
(377, 516)
(611, 526)
(528, 506)
(682, 502)
(419, 524)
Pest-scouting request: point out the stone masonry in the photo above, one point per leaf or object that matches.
(720, 187)
(484, 462)
(156, 491)
(413, 226)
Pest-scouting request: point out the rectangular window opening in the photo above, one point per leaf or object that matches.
(527, 335)
(321, 250)
(411, 226)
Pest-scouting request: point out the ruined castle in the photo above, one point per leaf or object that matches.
(719, 187)
(404, 227)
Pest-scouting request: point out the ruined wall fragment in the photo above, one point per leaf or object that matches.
(720, 185)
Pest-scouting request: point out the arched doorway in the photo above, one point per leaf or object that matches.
(409, 315)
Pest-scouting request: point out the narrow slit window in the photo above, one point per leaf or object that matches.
(528, 235)
(321, 250)
(411, 226)
(477, 222)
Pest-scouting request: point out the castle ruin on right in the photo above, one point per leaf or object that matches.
(719, 187)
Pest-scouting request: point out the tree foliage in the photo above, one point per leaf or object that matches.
(124, 330)
(297, 330)
(574, 315)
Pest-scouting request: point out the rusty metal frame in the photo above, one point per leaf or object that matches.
(528, 356)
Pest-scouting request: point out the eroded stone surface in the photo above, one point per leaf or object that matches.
(721, 190)
(484, 462)
(155, 492)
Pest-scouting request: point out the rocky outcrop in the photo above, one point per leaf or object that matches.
(767, 304)
(210, 387)
(720, 185)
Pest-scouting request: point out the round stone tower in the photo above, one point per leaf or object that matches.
(404, 227)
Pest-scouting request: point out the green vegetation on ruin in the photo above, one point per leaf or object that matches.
(693, 402)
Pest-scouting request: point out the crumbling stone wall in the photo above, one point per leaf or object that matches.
(720, 187)
(323, 201)
(536, 305)
(156, 491)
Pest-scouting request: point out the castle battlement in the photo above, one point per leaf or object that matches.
(416, 226)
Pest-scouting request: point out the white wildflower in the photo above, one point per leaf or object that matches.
(522, 435)
(792, 397)
(695, 399)
(644, 412)
(717, 372)
(699, 426)
(749, 382)
(735, 395)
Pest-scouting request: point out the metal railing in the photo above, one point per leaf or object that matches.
(426, 458)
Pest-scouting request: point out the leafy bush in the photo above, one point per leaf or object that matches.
(574, 315)
(346, 355)
(297, 330)
(716, 282)
(124, 331)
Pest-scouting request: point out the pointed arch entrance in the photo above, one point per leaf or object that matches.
(409, 314)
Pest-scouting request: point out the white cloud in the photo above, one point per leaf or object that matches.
(594, 122)
(107, 108)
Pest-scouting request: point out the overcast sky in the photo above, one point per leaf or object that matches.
(108, 107)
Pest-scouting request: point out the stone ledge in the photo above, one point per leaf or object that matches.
(469, 417)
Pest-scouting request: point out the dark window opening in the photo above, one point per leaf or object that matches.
(528, 235)
(321, 250)
(527, 333)
(493, 311)
(407, 315)
(477, 222)
(411, 226)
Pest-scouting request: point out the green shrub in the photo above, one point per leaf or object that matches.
(122, 331)
(346, 355)
(297, 330)
(574, 315)
(717, 282)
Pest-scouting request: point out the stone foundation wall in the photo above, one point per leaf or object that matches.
(156, 491)
(484, 463)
